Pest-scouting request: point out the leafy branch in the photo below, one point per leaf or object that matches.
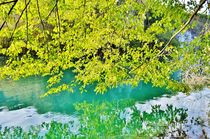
(184, 26)
(180, 30)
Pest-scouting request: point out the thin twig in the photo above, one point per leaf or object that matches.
(51, 12)
(40, 17)
(15, 2)
(59, 25)
(7, 2)
(19, 19)
(26, 23)
(85, 29)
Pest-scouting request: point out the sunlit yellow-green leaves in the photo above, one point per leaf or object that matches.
(104, 42)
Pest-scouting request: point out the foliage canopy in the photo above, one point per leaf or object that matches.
(104, 42)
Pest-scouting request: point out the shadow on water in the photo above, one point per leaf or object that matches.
(27, 91)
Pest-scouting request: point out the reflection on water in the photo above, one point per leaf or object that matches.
(27, 117)
(197, 105)
(26, 92)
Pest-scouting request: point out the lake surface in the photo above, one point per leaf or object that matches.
(26, 92)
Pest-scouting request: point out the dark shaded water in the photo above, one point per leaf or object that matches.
(26, 92)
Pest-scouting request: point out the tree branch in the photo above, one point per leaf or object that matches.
(51, 11)
(15, 2)
(19, 19)
(181, 29)
(58, 22)
(184, 26)
(40, 17)
(7, 2)
(26, 23)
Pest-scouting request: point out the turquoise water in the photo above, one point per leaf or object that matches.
(26, 92)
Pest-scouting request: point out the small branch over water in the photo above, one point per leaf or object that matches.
(184, 26)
